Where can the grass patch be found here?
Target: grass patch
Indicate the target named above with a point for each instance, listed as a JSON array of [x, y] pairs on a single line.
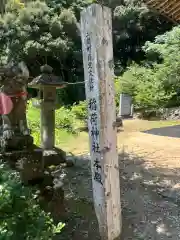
[[66, 125], [76, 144], [68, 138]]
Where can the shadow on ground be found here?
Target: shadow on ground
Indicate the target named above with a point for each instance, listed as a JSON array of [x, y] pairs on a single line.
[[150, 201], [171, 131]]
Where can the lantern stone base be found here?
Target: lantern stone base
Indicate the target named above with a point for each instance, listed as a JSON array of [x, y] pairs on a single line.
[[29, 165], [16, 143], [53, 157], [32, 162]]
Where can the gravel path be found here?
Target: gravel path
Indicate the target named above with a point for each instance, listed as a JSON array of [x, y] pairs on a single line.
[[150, 200], [150, 186]]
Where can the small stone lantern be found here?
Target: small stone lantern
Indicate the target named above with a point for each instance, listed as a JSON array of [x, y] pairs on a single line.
[[46, 84]]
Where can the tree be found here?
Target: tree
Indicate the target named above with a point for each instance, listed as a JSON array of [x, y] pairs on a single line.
[[133, 25], [40, 32], [156, 81], [166, 48]]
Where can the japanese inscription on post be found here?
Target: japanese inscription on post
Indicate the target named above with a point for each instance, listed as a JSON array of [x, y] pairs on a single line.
[[96, 35], [93, 109], [90, 67]]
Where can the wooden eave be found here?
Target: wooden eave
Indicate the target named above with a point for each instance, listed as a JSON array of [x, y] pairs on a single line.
[[168, 8]]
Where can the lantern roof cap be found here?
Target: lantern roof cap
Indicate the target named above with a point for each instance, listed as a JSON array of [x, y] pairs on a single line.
[[47, 78]]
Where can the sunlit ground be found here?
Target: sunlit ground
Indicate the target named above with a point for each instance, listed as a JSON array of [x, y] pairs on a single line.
[[79, 144]]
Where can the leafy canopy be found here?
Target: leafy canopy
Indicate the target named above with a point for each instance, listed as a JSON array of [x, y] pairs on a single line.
[[156, 82]]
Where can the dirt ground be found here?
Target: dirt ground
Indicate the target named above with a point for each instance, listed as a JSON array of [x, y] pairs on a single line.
[[150, 188]]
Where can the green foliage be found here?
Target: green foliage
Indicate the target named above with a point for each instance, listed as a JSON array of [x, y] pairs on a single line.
[[145, 87], [33, 117], [80, 110], [156, 82], [20, 214], [45, 32], [167, 48], [34, 31], [133, 25], [40, 32], [36, 136], [65, 119]]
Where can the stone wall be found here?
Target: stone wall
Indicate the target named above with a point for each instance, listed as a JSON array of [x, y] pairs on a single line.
[[161, 114], [170, 113]]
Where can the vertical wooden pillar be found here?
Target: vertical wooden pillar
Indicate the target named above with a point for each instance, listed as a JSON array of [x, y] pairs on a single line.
[[48, 118], [96, 33]]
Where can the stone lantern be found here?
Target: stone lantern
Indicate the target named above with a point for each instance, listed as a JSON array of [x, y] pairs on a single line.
[[46, 84]]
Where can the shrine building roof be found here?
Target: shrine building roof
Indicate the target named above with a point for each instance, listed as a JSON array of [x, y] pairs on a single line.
[[168, 8]]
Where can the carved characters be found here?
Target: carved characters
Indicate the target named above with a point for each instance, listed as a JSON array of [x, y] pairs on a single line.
[[93, 102]]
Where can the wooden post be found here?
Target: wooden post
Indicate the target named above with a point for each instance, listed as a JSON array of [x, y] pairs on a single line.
[[96, 33], [48, 118]]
